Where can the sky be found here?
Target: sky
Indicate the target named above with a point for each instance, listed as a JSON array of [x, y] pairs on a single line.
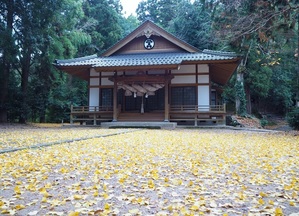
[[129, 6]]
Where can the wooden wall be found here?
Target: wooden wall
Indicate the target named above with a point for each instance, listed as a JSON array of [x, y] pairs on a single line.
[[187, 75], [137, 46]]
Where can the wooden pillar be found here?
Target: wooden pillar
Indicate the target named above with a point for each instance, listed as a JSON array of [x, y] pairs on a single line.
[[166, 112], [95, 116], [115, 99]]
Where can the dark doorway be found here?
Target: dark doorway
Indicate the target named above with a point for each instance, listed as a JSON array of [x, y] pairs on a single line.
[[150, 103]]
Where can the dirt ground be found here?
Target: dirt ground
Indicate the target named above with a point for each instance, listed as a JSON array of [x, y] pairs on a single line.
[[274, 122], [149, 172]]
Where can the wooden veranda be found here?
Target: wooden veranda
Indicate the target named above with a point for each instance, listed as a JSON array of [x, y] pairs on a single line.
[[175, 113]]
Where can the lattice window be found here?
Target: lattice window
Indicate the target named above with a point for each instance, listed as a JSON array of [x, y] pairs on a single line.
[[107, 96], [185, 95]]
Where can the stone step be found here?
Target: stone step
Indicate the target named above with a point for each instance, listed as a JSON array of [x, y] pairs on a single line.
[[153, 125]]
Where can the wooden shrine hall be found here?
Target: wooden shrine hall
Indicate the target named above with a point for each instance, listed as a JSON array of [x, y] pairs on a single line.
[[152, 76]]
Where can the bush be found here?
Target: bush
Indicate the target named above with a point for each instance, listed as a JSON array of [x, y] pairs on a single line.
[[293, 118], [264, 122]]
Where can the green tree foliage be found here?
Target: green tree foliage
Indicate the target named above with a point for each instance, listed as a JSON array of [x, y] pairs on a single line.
[[129, 24], [32, 35], [284, 81], [264, 31], [66, 91], [160, 12], [259, 73], [293, 118], [7, 53], [193, 23], [103, 27], [40, 33]]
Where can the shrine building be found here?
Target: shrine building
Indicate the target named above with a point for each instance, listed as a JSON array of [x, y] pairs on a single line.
[[152, 76]]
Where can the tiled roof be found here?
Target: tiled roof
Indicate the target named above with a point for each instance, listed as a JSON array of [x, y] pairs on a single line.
[[146, 59], [86, 60]]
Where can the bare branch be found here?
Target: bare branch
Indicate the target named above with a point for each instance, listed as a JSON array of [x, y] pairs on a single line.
[[255, 22]]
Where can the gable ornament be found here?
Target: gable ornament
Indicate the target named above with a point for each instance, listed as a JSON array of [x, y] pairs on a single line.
[[148, 32]]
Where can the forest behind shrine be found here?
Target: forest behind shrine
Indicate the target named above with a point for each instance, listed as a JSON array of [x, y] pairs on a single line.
[[33, 33]]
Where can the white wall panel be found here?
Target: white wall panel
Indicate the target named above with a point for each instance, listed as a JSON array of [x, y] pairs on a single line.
[[204, 96], [185, 69], [106, 81], [94, 96], [93, 72], [107, 73], [94, 82], [203, 79], [203, 68], [183, 80]]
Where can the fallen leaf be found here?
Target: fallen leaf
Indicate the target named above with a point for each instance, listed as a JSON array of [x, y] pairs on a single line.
[[74, 214], [77, 197]]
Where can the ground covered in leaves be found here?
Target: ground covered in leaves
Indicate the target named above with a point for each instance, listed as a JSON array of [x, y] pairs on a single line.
[[16, 136], [149, 172]]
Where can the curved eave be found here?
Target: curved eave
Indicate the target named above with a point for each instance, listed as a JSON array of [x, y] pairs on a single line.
[[220, 70], [221, 73], [220, 61], [81, 72]]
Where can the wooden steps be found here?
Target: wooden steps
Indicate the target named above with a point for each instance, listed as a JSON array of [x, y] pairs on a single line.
[[138, 117]]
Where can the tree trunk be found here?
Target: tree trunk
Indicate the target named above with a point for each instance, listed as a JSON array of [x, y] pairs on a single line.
[[42, 118], [297, 94], [248, 99], [240, 79], [24, 86], [4, 90], [6, 62]]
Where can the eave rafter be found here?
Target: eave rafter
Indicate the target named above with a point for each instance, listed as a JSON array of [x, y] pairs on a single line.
[[159, 79], [134, 68]]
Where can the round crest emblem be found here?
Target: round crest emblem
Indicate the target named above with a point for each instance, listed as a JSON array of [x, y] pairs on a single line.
[[149, 44]]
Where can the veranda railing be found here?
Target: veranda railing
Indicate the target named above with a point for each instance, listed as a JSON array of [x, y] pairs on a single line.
[[94, 113], [214, 113]]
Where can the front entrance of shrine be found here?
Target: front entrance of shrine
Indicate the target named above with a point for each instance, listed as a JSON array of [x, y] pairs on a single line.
[[143, 103]]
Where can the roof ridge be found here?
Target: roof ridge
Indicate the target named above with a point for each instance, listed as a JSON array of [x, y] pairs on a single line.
[[84, 58], [149, 53], [175, 36], [146, 58]]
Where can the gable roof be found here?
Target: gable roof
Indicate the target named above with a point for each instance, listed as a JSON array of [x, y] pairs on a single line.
[[127, 60], [147, 29], [222, 64]]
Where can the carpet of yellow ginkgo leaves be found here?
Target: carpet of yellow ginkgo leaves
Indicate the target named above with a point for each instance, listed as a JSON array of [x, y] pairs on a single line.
[[19, 137], [154, 172]]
